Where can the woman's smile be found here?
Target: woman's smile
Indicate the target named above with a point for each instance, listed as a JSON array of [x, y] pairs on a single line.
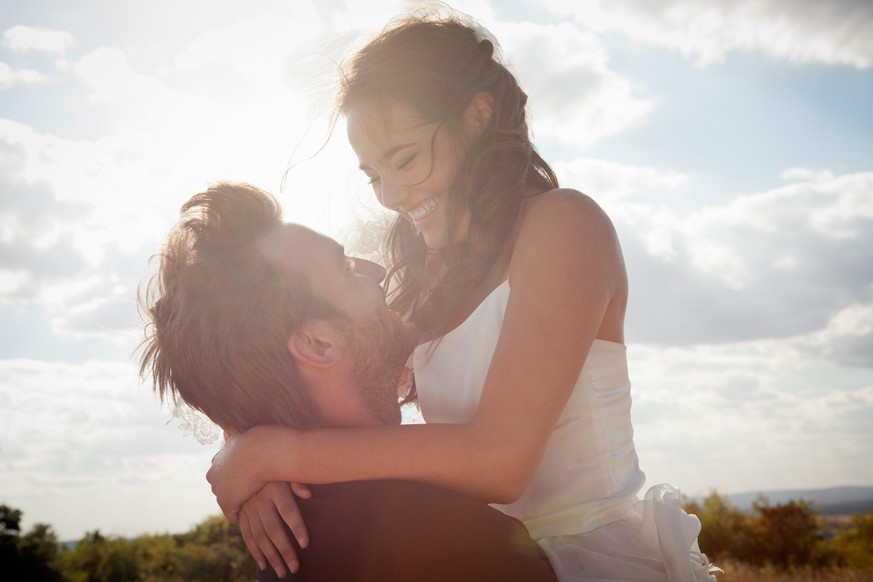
[[423, 210], [412, 164]]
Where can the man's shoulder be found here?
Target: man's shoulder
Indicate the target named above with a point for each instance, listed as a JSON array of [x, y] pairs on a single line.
[[437, 534], [409, 494], [411, 502]]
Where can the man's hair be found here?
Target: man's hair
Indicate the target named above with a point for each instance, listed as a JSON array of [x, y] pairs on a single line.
[[220, 311]]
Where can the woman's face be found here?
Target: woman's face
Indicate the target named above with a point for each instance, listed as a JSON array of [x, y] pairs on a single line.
[[411, 163]]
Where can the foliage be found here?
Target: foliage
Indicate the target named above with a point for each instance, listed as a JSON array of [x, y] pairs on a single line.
[[213, 550], [786, 537], [855, 544], [788, 533], [725, 530], [32, 556]]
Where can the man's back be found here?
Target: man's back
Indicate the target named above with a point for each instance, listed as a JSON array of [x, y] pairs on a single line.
[[398, 530]]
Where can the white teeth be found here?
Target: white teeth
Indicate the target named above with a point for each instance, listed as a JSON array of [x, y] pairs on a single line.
[[423, 209]]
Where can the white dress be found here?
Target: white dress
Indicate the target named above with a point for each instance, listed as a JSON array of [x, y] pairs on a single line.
[[581, 505]]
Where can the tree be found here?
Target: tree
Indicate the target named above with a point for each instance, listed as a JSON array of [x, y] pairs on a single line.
[[10, 521], [212, 551], [726, 532], [30, 557], [789, 532], [97, 558], [782, 535], [854, 546]]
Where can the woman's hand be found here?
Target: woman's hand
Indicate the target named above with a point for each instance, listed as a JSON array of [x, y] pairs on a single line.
[[242, 467], [262, 521]]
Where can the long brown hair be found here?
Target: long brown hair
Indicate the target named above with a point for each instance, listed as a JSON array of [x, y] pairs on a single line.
[[436, 66]]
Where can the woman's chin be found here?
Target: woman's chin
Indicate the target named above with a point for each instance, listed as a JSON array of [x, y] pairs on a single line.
[[434, 238]]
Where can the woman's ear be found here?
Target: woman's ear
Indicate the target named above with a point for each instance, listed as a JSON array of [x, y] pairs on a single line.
[[318, 344], [478, 113]]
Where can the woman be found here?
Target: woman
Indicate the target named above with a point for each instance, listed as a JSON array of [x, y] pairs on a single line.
[[520, 289]]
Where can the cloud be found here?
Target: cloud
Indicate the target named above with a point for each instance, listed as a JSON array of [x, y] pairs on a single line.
[[110, 79], [36, 232], [26, 38], [847, 338], [782, 410], [575, 98], [776, 264], [833, 33], [80, 217], [90, 435], [612, 181], [10, 77]]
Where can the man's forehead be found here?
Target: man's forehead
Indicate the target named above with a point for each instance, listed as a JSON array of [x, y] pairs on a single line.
[[296, 232], [296, 245]]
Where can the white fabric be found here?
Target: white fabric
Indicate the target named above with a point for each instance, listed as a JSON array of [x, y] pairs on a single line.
[[193, 422], [581, 505]]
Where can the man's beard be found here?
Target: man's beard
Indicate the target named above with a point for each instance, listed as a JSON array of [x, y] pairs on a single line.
[[382, 345]]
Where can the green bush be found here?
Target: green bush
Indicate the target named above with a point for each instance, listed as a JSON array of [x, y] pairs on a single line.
[[781, 536], [213, 550]]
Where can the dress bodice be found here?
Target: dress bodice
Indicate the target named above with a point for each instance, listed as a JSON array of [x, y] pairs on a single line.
[[589, 474]]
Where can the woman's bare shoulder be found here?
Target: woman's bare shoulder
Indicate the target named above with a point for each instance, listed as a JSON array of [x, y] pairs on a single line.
[[565, 232], [565, 208]]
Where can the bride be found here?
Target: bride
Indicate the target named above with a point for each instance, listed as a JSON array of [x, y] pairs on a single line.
[[519, 289]]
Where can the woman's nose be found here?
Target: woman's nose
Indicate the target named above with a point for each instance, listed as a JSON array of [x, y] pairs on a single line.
[[370, 269], [390, 195]]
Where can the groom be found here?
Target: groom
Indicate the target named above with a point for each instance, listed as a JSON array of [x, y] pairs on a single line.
[[255, 321]]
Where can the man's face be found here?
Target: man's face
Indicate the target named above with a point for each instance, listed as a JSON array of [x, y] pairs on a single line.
[[380, 343]]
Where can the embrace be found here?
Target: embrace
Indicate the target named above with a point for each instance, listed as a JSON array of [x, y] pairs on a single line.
[[506, 296]]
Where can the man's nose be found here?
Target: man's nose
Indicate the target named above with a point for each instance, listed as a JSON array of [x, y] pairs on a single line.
[[370, 269]]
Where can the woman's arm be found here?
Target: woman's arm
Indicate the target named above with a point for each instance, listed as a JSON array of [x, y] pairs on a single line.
[[568, 286]]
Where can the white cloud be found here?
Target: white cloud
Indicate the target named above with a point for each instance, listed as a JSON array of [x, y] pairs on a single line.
[[846, 339], [107, 74], [80, 217], [256, 49], [612, 181], [780, 263], [85, 447], [10, 77], [574, 97], [777, 405], [26, 38], [740, 241], [113, 317], [834, 32]]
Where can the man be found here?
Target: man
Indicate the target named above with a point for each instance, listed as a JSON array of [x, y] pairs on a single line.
[[254, 321]]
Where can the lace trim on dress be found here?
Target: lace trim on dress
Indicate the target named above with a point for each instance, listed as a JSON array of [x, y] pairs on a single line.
[[194, 422]]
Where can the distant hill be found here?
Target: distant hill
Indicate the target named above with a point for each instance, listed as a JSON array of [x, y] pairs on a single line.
[[831, 501]]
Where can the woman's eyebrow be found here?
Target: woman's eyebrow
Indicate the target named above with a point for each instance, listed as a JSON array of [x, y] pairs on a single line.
[[390, 153], [396, 149]]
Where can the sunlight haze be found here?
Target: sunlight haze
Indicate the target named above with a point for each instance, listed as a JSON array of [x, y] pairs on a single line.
[[730, 143]]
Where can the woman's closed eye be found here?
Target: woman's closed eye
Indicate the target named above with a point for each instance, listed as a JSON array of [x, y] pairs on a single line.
[[406, 162]]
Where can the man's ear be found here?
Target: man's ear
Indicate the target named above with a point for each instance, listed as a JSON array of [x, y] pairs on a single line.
[[318, 344], [478, 113]]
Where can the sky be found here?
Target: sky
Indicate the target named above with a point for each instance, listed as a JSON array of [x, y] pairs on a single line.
[[730, 143]]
